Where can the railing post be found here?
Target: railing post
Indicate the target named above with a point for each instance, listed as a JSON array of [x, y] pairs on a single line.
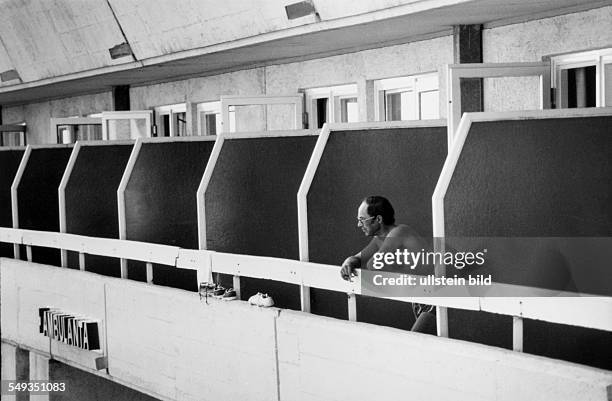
[[517, 333], [29, 252], [442, 321], [305, 298], [352, 307], [149, 273], [81, 261], [236, 284], [124, 268], [64, 257]]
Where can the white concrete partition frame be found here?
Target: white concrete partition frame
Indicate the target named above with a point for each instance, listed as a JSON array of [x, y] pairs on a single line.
[[313, 164], [455, 72], [121, 198], [15, 185], [212, 163], [201, 192], [449, 168], [317, 154], [302, 193], [14, 199], [302, 207], [61, 194], [64, 183]]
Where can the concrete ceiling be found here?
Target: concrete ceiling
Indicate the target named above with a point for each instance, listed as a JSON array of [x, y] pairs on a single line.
[[64, 55]]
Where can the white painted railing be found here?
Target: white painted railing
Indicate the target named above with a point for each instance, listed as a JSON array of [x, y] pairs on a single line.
[[589, 312]]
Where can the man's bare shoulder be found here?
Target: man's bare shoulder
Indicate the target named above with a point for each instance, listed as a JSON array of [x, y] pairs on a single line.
[[408, 236], [403, 230]]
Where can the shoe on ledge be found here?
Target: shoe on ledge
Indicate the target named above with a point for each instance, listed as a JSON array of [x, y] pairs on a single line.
[[229, 295]]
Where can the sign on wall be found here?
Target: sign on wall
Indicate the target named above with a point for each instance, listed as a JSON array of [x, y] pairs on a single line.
[[69, 329]]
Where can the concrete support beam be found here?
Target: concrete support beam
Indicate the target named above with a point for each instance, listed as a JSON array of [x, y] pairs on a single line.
[[39, 370], [467, 48], [366, 100], [15, 366], [192, 119], [121, 98]]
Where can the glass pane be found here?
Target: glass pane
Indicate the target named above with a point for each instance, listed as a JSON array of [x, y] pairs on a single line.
[[410, 110], [127, 129], [430, 105], [180, 124], [11, 138], [164, 127], [393, 104], [401, 106], [250, 118], [281, 117], [608, 84], [70, 133], [89, 132], [581, 87], [321, 112], [64, 134], [210, 124], [349, 111]]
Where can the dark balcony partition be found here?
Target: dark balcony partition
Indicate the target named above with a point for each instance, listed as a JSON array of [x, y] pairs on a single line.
[[251, 205], [160, 203], [536, 178], [91, 200], [402, 164], [9, 163], [38, 202]]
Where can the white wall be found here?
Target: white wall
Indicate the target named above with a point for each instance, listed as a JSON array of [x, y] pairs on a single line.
[[37, 115], [359, 67], [533, 40], [178, 347]]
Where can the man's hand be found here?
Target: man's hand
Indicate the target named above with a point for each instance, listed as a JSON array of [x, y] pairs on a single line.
[[351, 263]]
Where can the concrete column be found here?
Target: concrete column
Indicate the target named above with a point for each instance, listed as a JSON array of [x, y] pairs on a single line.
[[121, 98], [467, 48], [39, 370], [191, 116], [366, 99], [15, 366]]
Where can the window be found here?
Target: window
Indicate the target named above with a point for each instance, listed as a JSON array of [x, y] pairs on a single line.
[[13, 135], [336, 104], [72, 129], [407, 98], [209, 118], [171, 120], [119, 125], [583, 79]]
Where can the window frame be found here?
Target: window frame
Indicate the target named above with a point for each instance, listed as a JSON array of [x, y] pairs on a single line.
[[172, 111], [56, 122], [229, 104], [21, 128], [598, 58], [214, 108], [412, 84], [146, 115], [334, 95]]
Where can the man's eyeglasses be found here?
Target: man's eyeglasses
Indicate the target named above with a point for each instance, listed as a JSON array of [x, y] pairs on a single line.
[[361, 220]]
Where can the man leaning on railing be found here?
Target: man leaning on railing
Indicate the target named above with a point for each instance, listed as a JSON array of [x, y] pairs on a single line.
[[376, 218]]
